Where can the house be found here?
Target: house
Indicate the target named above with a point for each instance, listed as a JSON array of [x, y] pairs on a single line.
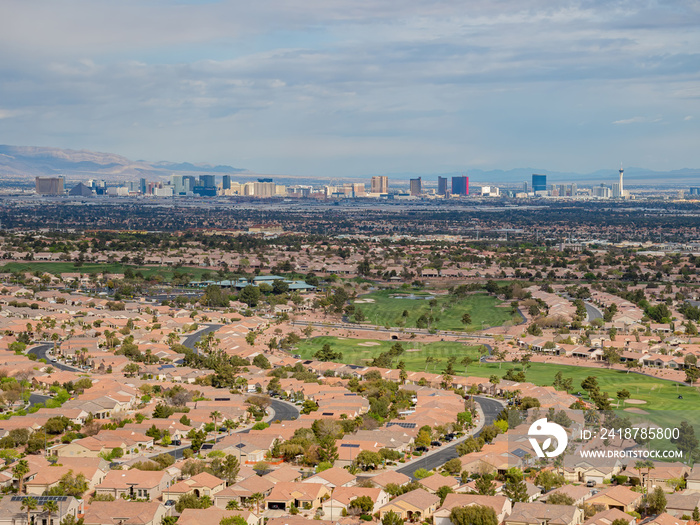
[[500, 505], [243, 490], [541, 514], [284, 495], [11, 512], [49, 476], [390, 477], [581, 470], [606, 517], [201, 485], [214, 515], [333, 478], [617, 497], [682, 504], [578, 493], [664, 475], [342, 497], [417, 505], [122, 512], [436, 481], [693, 479], [134, 484], [665, 519]]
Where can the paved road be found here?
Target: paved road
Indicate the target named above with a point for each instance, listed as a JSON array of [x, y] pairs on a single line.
[[491, 409], [40, 352], [593, 312], [37, 398], [191, 339], [282, 411]]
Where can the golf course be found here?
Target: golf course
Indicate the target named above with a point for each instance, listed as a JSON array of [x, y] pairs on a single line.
[[397, 308]]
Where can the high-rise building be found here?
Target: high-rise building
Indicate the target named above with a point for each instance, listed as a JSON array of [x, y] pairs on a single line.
[[208, 181], [460, 185], [442, 186], [226, 182], [695, 191], [602, 191], [380, 184], [622, 188], [142, 186], [539, 182], [264, 190], [416, 187], [49, 185], [616, 194], [188, 183]]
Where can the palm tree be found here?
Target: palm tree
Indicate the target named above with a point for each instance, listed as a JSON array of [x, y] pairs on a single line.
[[29, 503], [256, 498], [647, 464], [50, 507], [20, 471], [215, 415]]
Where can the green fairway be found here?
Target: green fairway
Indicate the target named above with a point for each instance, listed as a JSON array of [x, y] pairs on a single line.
[[166, 272], [383, 308], [360, 351]]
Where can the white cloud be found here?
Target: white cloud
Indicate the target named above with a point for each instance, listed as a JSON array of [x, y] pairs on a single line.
[[637, 120]]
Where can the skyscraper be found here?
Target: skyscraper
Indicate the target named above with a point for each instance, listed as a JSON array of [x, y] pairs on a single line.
[[380, 184], [416, 187], [226, 182], [49, 185], [460, 185], [442, 185], [539, 182]]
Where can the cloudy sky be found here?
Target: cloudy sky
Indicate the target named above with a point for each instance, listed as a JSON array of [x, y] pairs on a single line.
[[356, 87]]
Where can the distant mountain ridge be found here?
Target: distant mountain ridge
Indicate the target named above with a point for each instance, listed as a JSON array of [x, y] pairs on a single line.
[[34, 161], [27, 162]]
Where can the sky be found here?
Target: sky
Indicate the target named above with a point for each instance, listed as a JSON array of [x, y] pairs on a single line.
[[344, 88]]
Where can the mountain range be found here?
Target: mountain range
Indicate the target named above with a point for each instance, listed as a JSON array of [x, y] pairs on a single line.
[[32, 161], [27, 162]]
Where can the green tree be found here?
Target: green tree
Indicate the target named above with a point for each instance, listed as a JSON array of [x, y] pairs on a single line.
[[473, 515], [559, 498], [191, 501], [51, 508], [515, 487], [361, 505], [368, 459], [233, 520], [393, 518], [686, 441], [230, 469], [250, 295], [656, 501], [20, 470], [29, 504], [485, 486], [442, 492]]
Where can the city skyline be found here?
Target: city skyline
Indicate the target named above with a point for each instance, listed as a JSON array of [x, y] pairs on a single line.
[[338, 90]]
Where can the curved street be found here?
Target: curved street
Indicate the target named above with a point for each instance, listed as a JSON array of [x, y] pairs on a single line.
[[490, 407]]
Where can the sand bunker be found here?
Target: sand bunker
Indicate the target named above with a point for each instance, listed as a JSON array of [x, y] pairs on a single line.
[[368, 344], [364, 301], [414, 350], [636, 410], [636, 402]]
